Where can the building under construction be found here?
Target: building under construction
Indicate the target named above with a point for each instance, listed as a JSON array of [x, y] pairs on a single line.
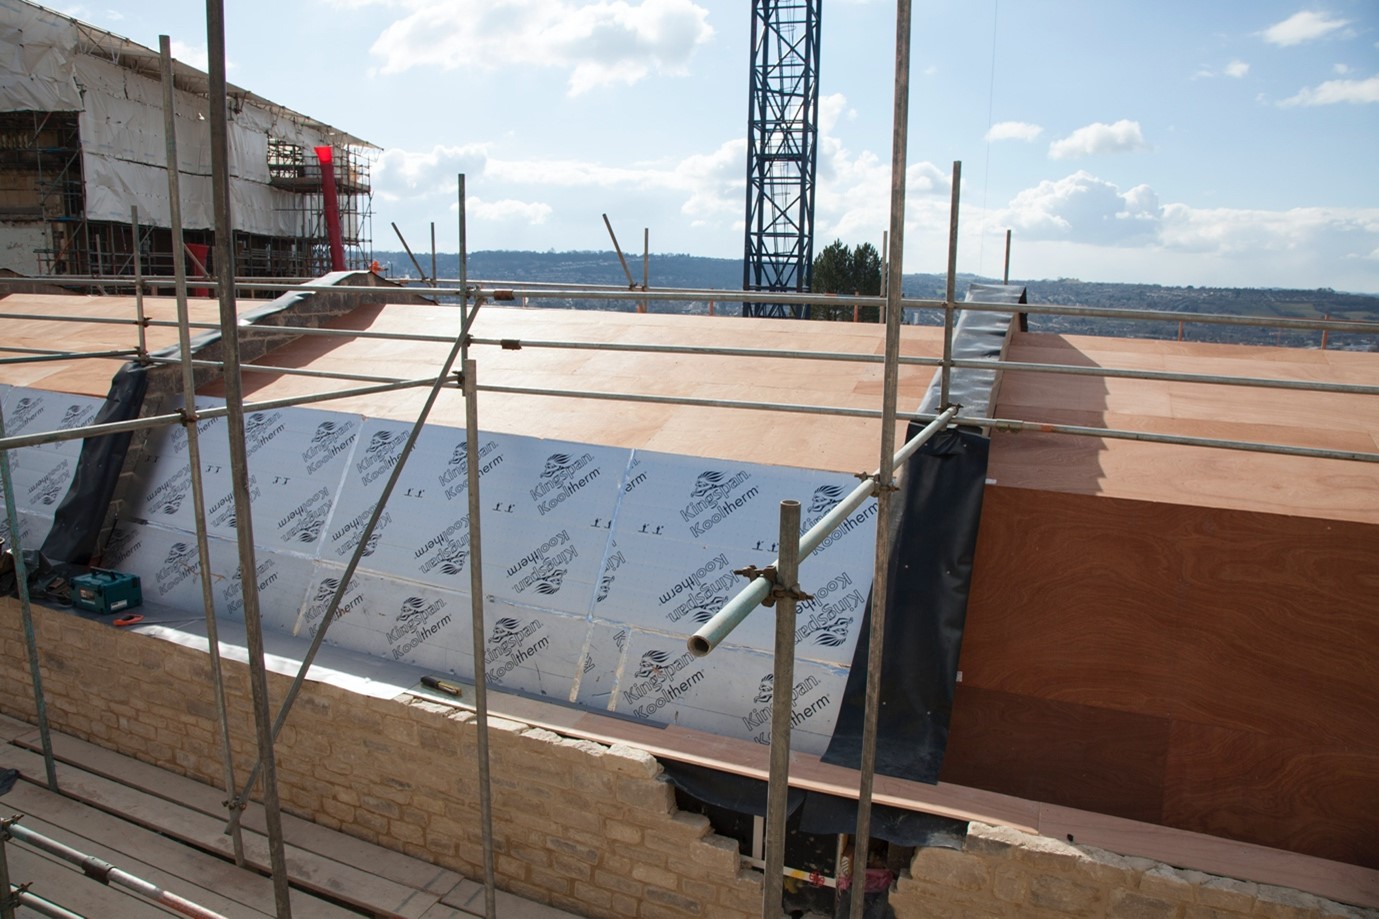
[[83, 163], [406, 602]]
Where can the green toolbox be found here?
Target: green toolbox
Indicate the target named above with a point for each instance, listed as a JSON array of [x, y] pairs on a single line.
[[103, 591]]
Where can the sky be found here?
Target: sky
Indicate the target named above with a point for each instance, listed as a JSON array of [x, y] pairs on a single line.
[[1181, 142]]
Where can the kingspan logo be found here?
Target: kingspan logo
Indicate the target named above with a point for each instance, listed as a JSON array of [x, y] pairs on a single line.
[[714, 498], [305, 522], [266, 575], [53, 485], [341, 535], [447, 549], [511, 643], [76, 416], [454, 480], [824, 499], [120, 545], [179, 564], [563, 476], [168, 496], [260, 428], [22, 415], [380, 455], [829, 616], [760, 717], [330, 440], [701, 592], [546, 566], [452, 559], [416, 621], [660, 680], [222, 512], [325, 592]]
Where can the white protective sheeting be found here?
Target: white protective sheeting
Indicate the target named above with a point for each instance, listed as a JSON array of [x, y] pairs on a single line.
[[598, 562], [41, 474], [36, 72], [19, 245], [124, 155], [124, 159]]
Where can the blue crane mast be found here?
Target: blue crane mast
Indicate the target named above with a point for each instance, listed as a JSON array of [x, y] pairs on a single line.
[[782, 152]]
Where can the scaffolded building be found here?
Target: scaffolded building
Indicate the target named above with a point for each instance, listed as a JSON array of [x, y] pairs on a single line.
[[83, 168]]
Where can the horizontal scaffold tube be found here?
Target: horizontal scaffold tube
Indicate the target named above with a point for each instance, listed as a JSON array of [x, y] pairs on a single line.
[[711, 633], [106, 873]]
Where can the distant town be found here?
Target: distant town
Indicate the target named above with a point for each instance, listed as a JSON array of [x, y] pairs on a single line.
[[688, 271]]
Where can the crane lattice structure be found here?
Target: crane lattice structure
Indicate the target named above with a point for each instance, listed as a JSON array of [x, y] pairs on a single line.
[[782, 152]]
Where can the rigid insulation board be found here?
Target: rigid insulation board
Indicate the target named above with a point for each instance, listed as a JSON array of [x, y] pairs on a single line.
[[42, 473], [597, 562]]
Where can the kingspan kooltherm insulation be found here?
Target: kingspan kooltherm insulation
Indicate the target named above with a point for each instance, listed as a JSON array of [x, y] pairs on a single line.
[[40, 474], [598, 562]]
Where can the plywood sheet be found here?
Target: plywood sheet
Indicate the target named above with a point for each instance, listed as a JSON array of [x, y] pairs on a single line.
[[1204, 619], [1082, 756], [763, 436], [1260, 788], [90, 376], [1194, 476]]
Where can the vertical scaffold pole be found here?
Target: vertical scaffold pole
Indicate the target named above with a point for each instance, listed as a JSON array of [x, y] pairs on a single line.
[[782, 706], [179, 278], [21, 576], [476, 579], [138, 282], [239, 465], [950, 288], [895, 274]]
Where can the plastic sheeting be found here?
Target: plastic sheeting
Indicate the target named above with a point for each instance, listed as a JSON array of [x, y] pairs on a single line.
[[43, 473], [121, 123], [931, 570], [78, 518], [36, 72]]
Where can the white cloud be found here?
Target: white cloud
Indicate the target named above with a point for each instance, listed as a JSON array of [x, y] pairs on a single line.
[[1084, 226], [1333, 92], [1237, 69], [1013, 130], [505, 210], [601, 43], [191, 55], [1124, 136], [1301, 27], [1084, 208], [399, 174]]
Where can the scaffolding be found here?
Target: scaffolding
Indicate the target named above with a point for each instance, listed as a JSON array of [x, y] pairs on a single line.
[[294, 170], [56, 176]]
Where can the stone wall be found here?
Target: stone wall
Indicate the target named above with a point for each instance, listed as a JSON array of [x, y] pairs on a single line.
[[586, 827], [1005, 873]]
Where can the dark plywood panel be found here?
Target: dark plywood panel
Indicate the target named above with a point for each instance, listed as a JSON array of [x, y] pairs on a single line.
[[1188, 613], [1225, 624], [1280, 792], [1095, 759]]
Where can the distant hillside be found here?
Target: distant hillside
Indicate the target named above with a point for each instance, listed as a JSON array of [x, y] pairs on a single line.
[[689, 271]]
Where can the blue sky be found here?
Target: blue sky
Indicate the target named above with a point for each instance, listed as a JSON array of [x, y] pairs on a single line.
[[1212, 142]]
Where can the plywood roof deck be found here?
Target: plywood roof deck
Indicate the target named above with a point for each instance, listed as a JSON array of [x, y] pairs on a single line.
[[1195, 476], [1327, 489], [781, 438], [89, 376]]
